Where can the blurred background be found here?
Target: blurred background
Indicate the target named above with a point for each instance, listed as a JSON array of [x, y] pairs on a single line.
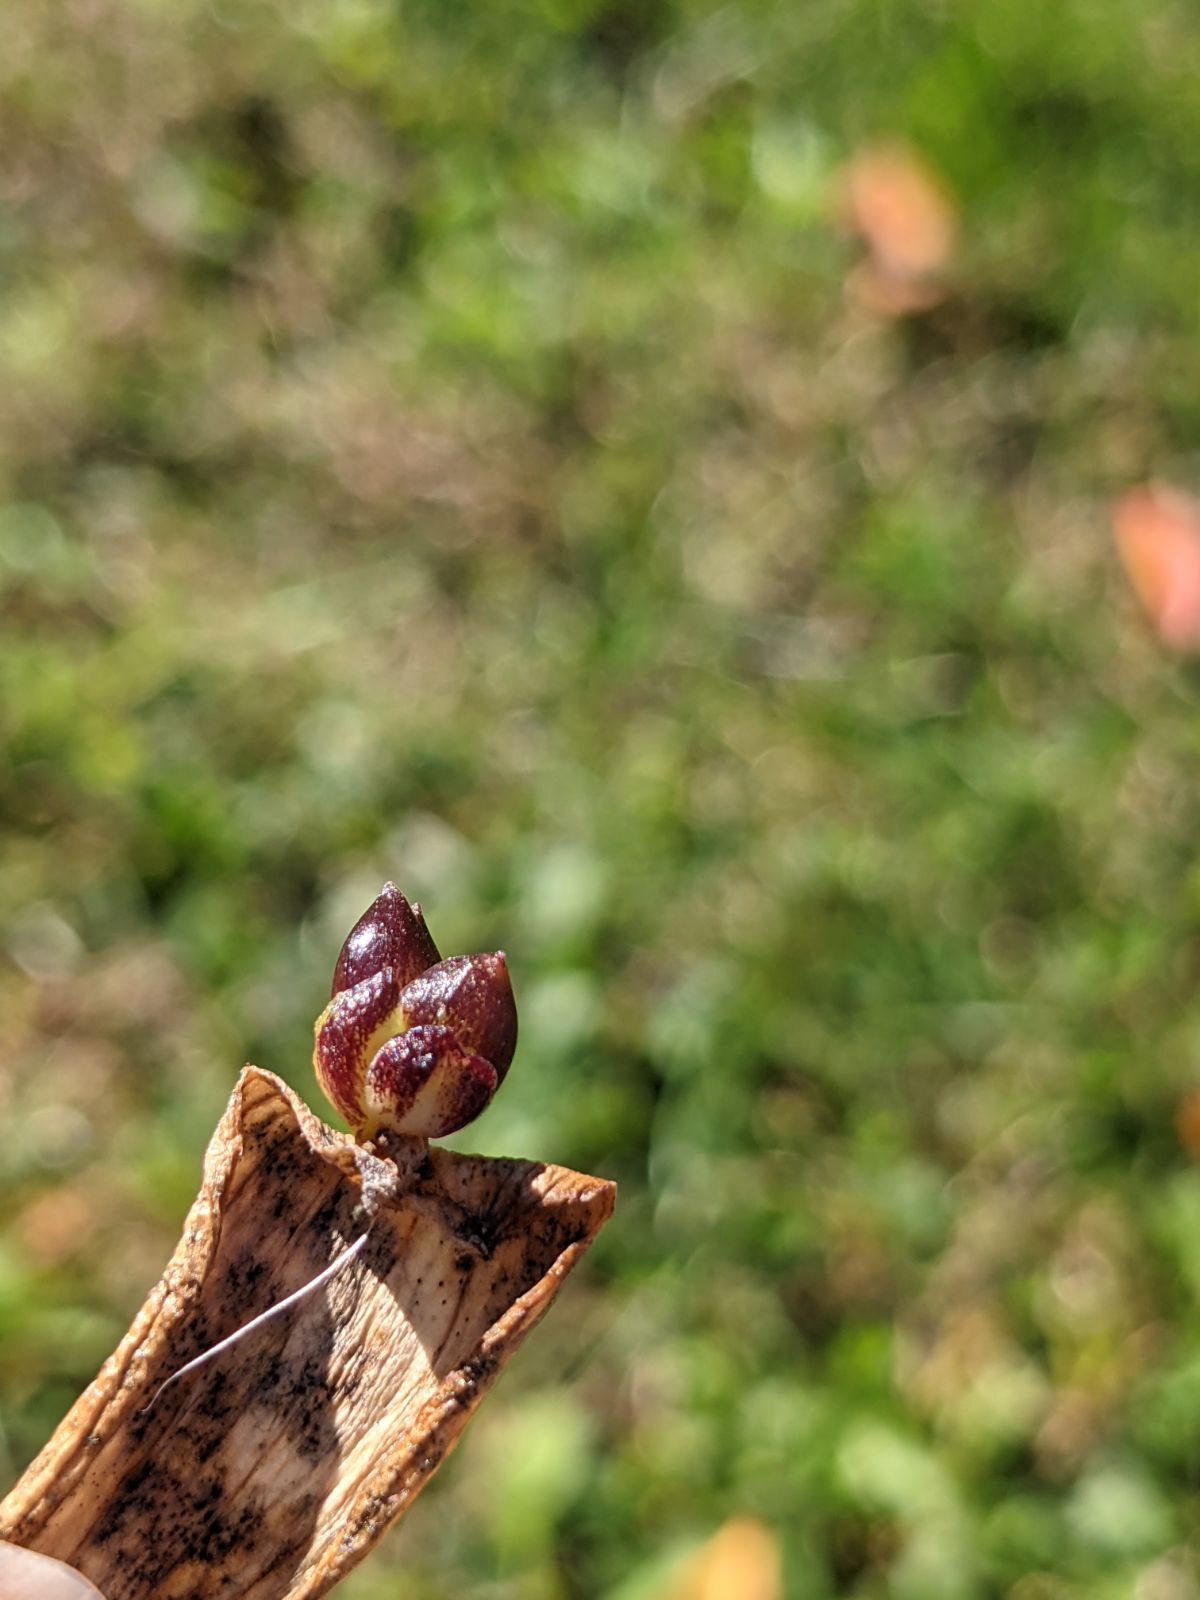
[[641, 475]]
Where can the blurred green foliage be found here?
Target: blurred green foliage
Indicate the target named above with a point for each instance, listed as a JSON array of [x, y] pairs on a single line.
[[438, 442]]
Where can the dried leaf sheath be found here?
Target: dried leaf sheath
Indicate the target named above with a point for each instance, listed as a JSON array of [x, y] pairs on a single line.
[[275, 1469]]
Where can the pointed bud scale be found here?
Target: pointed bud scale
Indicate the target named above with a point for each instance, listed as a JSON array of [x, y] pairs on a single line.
[[425, 1082], [348, 1032], [390, 933], [472, 995]]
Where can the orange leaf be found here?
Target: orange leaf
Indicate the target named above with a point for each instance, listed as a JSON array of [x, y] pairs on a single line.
[[740, 1562], [902, 211], [1158, 538]]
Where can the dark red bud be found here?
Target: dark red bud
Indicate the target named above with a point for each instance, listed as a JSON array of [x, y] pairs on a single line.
[[425, 1082], [348, 1032], [390, 933], [472, 995]]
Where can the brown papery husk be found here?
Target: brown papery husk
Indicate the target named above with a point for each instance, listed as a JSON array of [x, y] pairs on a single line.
[[274, 1469]]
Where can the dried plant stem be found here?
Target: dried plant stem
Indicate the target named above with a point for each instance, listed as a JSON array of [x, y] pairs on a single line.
[[277, 1467]]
